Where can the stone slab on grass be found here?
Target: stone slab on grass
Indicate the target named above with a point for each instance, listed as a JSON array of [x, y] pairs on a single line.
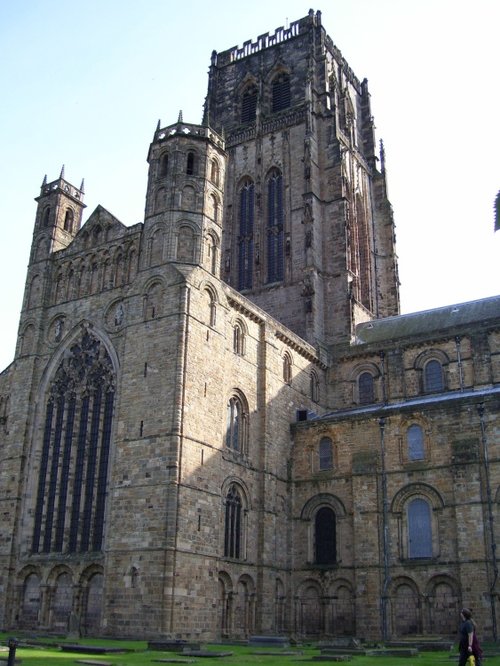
[[206, 653], [93, 662]]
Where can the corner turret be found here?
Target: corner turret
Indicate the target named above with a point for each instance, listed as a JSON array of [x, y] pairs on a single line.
[[58, 216]]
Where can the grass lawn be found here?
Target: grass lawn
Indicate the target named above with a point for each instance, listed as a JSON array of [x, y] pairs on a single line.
[[139, 655]]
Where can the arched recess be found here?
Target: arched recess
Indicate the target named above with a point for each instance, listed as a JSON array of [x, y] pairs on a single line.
[[29, 580], [153, 299], [244, 607], [156, 246], [71, 445], [442, 596], [186, 242], [27, 339], [279, 606], [60, 582], [225, 606], [92, 586], [340, 609], [405, 607], [34, 292], [309, 611]]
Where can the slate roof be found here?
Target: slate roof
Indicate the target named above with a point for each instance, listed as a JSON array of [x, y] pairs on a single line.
[[428, 321]]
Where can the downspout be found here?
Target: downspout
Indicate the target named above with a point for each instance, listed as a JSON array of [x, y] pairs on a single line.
[[459, 363], [484, 442], [178, 430], [385, 534]]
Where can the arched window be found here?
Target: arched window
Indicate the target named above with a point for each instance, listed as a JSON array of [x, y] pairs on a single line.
[[212, 253], [366, 388], [163, 165], [215, 207], [249, 105], [325, 542], [237, 425], [281, 92], [415, 442], [433, 377], [314, 386], [215, 172], [46, 216], [287, 368], [213, 311], [238, 339], [275, 231], [74, 452], [419, 529], [325, 453], [191, 166], [233, 524], [68, 220], [245, 236]]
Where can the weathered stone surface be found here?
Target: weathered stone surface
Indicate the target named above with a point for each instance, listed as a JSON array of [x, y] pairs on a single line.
[[189, 456]]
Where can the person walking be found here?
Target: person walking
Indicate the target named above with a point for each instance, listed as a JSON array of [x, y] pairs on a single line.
[[469, 644]]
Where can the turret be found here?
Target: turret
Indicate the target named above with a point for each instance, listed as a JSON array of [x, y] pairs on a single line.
[[184, 199], [58, 216]]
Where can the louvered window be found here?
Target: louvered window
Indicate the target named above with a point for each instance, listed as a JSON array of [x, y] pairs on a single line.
[[249, 105], [281, 93]]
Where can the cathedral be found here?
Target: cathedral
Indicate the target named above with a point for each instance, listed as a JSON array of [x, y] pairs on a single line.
[[217, 423]]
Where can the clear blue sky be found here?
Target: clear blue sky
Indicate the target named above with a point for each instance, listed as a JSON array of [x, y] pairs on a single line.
[[84, 84]]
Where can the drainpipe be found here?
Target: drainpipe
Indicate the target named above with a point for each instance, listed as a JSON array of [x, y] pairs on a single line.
[[385, 534], [484, 442], [459, 363]]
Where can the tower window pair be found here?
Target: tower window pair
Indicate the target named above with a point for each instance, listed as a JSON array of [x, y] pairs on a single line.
[[274, 231]]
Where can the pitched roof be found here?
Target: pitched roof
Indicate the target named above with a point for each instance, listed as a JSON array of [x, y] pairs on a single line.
[[428, 321]]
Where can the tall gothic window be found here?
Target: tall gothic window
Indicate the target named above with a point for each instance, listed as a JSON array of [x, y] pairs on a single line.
[[419, 529], [233, 524], [324, 536], [73, 472], [275, 221], [245, 237]]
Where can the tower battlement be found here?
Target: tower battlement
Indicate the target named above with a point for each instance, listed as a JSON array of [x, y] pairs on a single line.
[[61, 185]]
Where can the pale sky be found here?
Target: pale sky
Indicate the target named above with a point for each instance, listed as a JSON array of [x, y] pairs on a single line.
[[84, 83]]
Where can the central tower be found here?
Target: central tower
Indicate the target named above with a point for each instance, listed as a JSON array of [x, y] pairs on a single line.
[[308, 229]]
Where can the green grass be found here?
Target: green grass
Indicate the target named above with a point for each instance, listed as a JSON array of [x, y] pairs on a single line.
[[139, 655]]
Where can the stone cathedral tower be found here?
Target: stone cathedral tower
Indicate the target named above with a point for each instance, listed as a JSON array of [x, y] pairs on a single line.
[[309, 234], [216, 423]]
